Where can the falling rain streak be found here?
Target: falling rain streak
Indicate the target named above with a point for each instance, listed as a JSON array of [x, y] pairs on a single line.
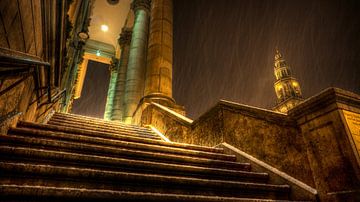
[[224, 49]]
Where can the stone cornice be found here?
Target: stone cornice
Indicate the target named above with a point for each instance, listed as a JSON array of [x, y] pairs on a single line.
[[183, 119], [287, 100], [259, 113], [171, 114], [141, 4], [107, 50], [324, 99]]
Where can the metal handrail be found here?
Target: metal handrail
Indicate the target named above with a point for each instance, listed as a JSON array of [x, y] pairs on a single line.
[[21, 58], [55, 98], [12, 57], [59, 94]]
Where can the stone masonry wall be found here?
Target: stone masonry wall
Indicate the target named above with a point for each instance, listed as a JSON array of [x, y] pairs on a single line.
[[332, 159], [278, 144], [311, 143]]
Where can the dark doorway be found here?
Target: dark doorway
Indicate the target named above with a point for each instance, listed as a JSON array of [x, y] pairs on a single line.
[[93, 96]]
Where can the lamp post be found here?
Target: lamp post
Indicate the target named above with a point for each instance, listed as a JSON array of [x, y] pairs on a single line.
[[83, 36]]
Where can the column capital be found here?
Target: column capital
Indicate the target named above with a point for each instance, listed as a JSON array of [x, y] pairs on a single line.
[[125, 36], [141, 4], [113, 64]]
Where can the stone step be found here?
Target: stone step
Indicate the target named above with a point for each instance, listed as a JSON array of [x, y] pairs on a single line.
[[32, 193], [96, 127], [101, 122], [120, 164], [27, 127], [90, 127], [115, 180], [97, 121], [69, 128], [168, 149], [84, 148]]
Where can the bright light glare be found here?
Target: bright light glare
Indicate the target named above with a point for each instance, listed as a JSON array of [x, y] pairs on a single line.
[[104, 28]]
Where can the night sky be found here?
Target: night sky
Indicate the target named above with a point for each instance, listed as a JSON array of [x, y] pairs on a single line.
[[224, 49], [93, 96]]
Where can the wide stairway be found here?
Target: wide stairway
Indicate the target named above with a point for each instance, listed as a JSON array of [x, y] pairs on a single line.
[[77, 158]]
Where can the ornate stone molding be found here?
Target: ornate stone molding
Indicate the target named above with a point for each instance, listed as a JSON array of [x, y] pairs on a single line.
[[141, 4], [81, 55], [125, 36], [113, 64]]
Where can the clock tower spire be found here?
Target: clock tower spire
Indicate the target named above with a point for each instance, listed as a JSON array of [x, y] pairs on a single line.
[[287, 88]]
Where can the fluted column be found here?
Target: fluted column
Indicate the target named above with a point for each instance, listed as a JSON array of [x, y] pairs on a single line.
[[124, 42], [158, 82], [137, 58], [111, 90]]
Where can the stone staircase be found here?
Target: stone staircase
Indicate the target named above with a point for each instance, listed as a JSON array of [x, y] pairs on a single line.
[[78, 158]]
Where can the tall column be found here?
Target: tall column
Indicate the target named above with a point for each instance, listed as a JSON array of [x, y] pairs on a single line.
[[137, 58], [124, 42], [158, 82], [111, 90]]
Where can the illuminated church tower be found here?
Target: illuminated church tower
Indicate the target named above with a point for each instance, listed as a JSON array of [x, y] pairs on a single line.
[[287, 88]]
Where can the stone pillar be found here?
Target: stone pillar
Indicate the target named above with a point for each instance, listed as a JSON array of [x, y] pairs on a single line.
[[158, 82], [137, 58], [124, 42], [111, 90]]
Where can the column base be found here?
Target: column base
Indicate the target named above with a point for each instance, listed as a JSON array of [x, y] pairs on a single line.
[[127, 120], [160, 98]]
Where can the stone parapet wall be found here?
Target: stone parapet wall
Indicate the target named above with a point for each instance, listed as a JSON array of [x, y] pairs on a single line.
[[311, 143], [277, 142], [334, 162], [246, 128]]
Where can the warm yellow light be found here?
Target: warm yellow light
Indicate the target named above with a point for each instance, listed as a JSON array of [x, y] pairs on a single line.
[[295, 84], [104, 28]]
